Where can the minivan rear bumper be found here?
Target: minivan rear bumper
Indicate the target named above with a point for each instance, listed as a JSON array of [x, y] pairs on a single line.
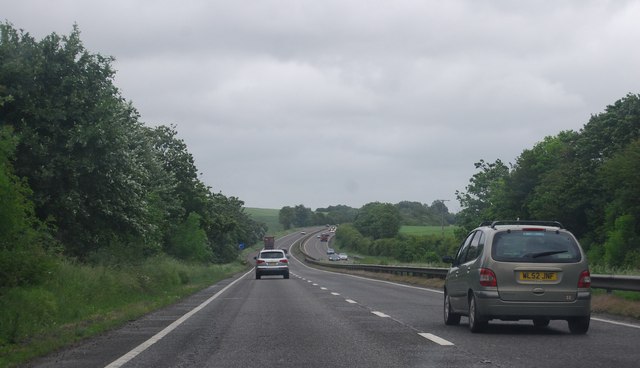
[[490, 306]]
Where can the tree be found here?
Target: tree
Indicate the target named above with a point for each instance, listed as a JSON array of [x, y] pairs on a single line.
[[23, 238], [302, 216], [80, 145], [286, 217], [378, 220], [189, 241], [485, 188]]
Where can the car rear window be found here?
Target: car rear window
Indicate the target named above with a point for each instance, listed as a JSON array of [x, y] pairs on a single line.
[[271, 255], [535, 246]]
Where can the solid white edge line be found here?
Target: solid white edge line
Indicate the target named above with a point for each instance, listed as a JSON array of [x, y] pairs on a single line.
[[155, 338], [436, 339], [615, 322]]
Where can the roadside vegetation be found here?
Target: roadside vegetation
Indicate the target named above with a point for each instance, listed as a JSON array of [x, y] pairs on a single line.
[[102, 218], [78, 300]]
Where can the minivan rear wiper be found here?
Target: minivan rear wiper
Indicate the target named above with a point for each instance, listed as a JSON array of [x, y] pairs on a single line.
[[547, 253]]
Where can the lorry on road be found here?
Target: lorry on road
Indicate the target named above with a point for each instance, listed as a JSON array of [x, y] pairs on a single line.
[[324, 237], [269, 242]]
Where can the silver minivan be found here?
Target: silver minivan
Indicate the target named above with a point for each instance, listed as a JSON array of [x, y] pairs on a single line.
[[515, 270]]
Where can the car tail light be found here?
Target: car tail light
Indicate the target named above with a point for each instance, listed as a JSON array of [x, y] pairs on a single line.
[[284, 260], [260, 261], [585, 280], [488, 277]]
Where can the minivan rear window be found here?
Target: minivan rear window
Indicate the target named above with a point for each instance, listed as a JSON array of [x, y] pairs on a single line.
[[535, 246]]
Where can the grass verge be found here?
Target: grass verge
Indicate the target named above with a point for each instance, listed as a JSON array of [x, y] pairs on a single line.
[[79, 301]]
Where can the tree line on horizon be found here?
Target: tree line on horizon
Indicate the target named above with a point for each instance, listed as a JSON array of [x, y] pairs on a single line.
[[82, 177], [410, 213]]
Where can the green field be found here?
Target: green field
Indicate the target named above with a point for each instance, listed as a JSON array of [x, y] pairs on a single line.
[[268, 216], [427, 230]]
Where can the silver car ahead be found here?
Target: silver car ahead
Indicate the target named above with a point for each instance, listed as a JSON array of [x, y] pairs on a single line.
[[272, 262], [513, 270]]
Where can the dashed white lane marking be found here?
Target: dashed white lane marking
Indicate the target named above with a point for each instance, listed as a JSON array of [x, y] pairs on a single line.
[[436, 339], [380, 314], [431, 337]]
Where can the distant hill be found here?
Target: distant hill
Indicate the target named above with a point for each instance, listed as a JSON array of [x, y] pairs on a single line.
[[268, 216]]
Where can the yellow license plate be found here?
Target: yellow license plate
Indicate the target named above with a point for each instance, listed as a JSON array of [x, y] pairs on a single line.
[[538, 276]]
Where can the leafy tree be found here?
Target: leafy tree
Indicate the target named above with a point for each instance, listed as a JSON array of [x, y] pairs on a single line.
[[484, 190], [79, 141], [189, 241], [339, 214], [378, 220], [23, 238], [621, 245], [302, 216], [286, 217]]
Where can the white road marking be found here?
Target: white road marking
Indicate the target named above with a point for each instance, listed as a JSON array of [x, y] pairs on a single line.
[[436, 339], [334, 293], [380, 314], [155, 338], [351, 301], [323, 288], [615, 322]]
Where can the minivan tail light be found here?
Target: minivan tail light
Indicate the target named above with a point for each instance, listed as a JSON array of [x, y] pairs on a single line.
[[585, 280], [488, 277], [284, 260], [260, 261]]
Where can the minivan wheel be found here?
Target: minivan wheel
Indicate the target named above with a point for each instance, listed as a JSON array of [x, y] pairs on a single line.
[[475, 324], [257, 276], [286, 275], [450, 318], [579, 325]]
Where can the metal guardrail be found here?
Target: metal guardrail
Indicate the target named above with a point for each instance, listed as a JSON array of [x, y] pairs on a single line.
[[607, 282], [615, 282]]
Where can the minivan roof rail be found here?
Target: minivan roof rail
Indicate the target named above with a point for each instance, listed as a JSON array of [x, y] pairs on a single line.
[[493, 224]]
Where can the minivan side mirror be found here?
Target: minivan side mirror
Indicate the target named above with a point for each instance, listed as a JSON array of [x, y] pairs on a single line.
[[448, 259]]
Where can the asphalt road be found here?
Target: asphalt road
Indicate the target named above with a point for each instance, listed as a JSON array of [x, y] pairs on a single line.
[[323, 319]]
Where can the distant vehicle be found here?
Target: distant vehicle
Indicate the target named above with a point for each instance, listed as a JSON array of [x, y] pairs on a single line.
[[269, 242], [303, 232], [331, 251], [324, 237], [334, 257], [343, 256], [272, 262], [318, 236], [513, 270]]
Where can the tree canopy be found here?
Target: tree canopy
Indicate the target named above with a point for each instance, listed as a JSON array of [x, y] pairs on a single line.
[[78, 158], [588, 180]]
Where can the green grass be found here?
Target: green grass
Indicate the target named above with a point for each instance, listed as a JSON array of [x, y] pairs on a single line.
[[266, 215], [427, 230], [78, 301]]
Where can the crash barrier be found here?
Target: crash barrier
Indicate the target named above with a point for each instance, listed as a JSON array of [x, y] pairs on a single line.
[[607, 282]]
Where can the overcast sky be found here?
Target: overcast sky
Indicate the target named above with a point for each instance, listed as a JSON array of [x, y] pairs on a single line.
[[321, 102]]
